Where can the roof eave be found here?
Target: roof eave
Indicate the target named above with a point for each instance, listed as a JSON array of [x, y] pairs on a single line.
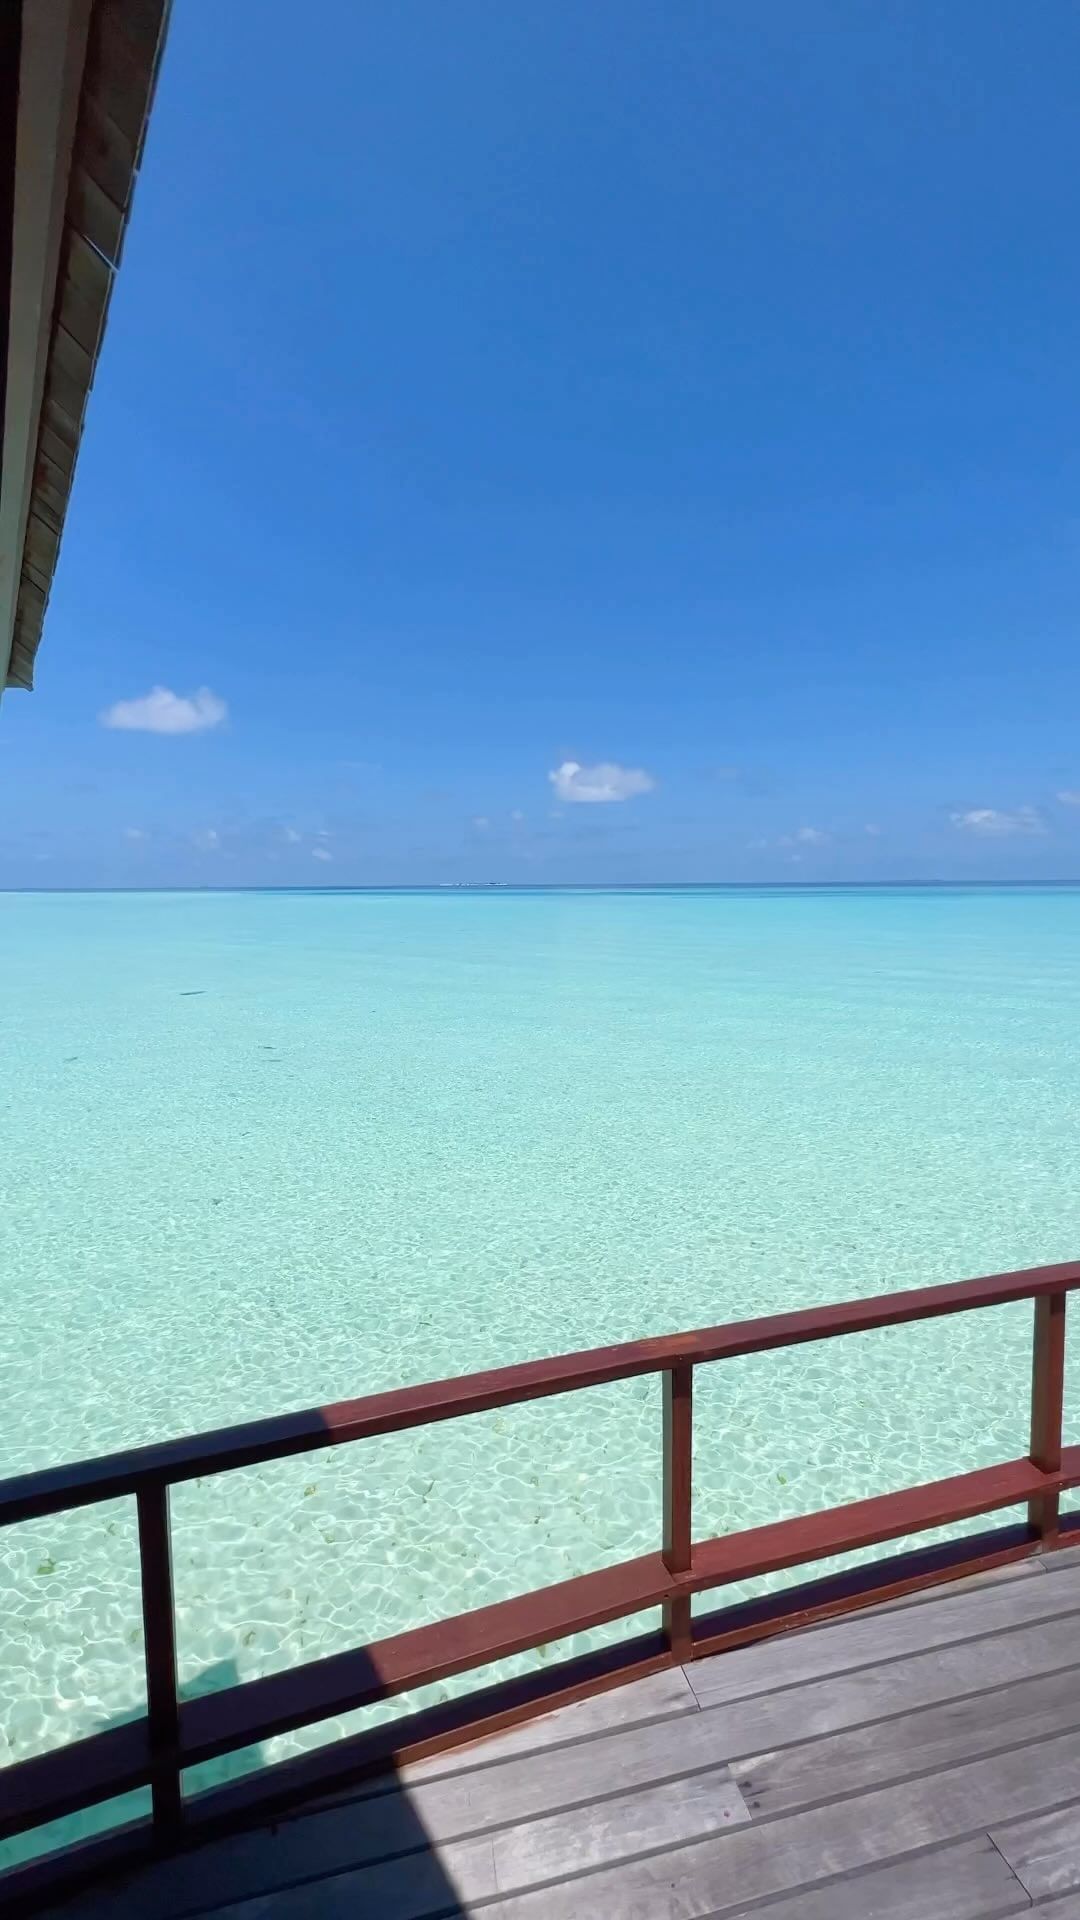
[[87, 70]]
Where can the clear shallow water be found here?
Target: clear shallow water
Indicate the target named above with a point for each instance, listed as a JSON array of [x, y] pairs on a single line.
[[267, 1150]]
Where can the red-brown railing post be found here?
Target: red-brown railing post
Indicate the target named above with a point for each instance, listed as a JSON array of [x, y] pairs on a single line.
[[159, 1637], [678, 1497], [1047, 1391]]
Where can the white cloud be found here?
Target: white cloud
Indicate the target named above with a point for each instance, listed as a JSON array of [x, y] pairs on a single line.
[[481, 823], [990, 821], [517, 816], [208, 840], [604, 782], [321, 853], [136, 833], [162, 711], [1070, 797], [872, 830], [805, 837], [291, 837]]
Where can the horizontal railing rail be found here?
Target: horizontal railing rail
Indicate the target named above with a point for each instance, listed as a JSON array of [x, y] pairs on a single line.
[[83, 1483], [177, 1734]]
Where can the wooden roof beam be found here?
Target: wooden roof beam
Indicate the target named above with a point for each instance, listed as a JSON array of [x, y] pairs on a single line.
[[52, 58]]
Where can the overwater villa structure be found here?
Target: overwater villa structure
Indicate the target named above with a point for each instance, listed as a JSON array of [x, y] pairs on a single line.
[[76, 83], [900, 1738]]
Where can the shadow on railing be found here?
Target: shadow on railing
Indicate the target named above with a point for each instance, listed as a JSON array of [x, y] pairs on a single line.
[[175, 1735]]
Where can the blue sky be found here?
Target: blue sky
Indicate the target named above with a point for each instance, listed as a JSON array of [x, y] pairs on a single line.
[[685, 395]]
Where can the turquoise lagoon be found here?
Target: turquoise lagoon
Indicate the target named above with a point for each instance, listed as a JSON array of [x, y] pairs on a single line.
[[265, 1150]]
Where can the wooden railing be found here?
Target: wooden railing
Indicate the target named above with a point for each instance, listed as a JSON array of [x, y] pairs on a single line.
[[177, 1734]]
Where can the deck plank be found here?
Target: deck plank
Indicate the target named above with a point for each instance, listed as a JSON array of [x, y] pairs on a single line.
[[422, 1887], [966, 1882], [365, 1830], [660, 1697], [518, 1796], [566, 1845], [437, 1812], [722, 1876], [1043, 1853], [923, 1742], [874, 1637], [873, 1694], [561, 1847]]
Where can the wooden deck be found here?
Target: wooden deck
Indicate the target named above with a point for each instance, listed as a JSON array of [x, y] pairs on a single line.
[[918, 1761]]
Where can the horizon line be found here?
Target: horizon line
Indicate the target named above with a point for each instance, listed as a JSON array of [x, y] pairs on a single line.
[[560, 886]]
